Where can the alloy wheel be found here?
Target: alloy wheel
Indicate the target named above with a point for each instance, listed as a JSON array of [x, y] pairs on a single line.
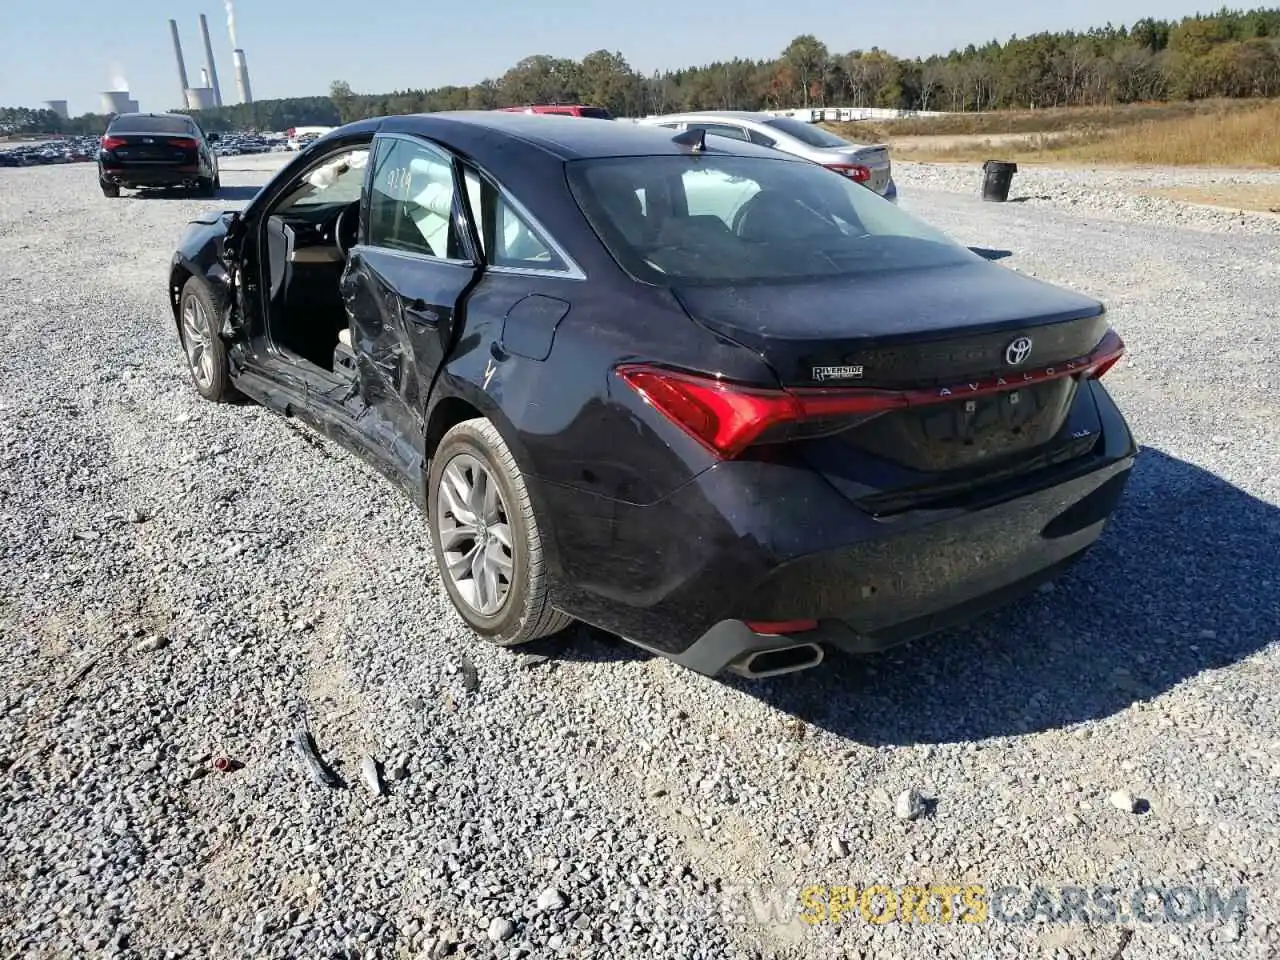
[[475, 534], [197, 336]]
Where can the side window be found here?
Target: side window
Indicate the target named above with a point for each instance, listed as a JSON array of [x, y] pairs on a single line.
[[507, 237], [721, 130], [411, 200], [338, 180], [713, 193], [759, 138]]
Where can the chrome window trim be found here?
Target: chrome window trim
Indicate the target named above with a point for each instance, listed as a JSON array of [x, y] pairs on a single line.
[[412, 255], [571, 270]]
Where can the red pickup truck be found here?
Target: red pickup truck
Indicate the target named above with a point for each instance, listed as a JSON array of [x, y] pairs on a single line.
[[564, 109]]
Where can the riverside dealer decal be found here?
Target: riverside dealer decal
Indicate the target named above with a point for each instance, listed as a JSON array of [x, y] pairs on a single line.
[[849, 372]]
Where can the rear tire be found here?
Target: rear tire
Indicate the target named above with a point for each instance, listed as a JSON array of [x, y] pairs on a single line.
[[206, 188], [487, 544], [199, 317], [109, 189]]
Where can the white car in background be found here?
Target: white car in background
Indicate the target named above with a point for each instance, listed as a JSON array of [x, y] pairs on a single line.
[[298, 138], [867, 164]]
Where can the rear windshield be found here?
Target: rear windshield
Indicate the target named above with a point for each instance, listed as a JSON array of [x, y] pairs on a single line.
[[596, 113], [146, 124], [714, 218], [808, 133]]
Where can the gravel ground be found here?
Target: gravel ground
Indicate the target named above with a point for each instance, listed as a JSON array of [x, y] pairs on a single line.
[[184, 582], [1110, 193]]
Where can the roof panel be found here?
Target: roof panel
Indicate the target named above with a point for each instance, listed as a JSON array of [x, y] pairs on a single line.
[[569, 138]]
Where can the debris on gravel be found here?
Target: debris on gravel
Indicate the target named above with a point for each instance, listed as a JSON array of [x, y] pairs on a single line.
[[370, 775], [1124, 800], [909, 805], [304, 747], [501, 929], [551, 899], [678, 816]]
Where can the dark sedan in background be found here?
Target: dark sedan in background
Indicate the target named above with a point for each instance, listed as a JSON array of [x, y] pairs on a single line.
[[157, 150], [712, 398]]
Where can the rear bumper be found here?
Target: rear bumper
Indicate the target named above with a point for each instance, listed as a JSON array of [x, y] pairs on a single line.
[[730, 642], [152, 176], [752, 541]]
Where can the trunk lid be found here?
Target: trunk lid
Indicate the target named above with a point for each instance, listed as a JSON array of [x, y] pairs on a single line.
[[151, 148], [951, 329], [874, 158], [903, 328]]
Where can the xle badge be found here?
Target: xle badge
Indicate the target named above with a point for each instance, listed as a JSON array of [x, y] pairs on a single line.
[[822, 374]]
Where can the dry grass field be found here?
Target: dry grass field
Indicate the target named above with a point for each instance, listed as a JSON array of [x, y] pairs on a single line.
[[1264, 198], [1239, 134]]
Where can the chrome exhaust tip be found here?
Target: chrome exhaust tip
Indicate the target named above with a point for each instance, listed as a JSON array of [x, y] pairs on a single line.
[[775, 663]]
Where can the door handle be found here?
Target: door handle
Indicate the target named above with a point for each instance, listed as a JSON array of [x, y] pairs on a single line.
[[422, 312]]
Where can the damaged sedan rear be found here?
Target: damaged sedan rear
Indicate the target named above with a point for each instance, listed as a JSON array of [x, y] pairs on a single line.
[[697, 393]]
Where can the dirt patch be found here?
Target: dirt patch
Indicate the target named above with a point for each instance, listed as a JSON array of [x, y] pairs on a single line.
[[1261, 197]]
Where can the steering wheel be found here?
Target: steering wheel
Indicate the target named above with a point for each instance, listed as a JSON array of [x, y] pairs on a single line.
[[346, 230]]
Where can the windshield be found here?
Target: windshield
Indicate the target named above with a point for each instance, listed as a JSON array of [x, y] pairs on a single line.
[[596, 113], [808, 133], [145, 124], [723, 218]]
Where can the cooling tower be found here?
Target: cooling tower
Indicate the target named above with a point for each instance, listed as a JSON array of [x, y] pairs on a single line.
[[209, 64], [200, 98], [57, 106], [117, 101]]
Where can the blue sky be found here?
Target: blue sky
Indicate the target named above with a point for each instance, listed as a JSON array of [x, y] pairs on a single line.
[[73, 49]]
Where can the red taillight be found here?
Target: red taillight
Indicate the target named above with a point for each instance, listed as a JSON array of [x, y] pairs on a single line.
[[854, 171], [780, 627], [1106, 355], [186, 143], [110, 143], [727, 418]]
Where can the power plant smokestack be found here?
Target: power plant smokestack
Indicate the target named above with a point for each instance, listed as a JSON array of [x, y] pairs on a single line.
[[242, 76], [209, 64], [177, 52], [204, 76]]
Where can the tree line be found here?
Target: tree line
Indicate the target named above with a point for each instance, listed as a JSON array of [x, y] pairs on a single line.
[[1228, 54]]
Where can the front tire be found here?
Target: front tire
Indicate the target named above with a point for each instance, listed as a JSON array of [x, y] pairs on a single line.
[[198, 321], [486, 539]]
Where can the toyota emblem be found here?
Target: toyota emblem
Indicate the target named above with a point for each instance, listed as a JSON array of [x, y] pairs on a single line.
[[1018, 351]]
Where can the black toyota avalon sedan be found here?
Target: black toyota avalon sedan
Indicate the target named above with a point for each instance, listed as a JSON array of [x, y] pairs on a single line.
[[157, 150], [719, 401]]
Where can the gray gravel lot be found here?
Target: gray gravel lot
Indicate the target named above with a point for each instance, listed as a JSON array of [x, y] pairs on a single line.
[[183, 581]]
